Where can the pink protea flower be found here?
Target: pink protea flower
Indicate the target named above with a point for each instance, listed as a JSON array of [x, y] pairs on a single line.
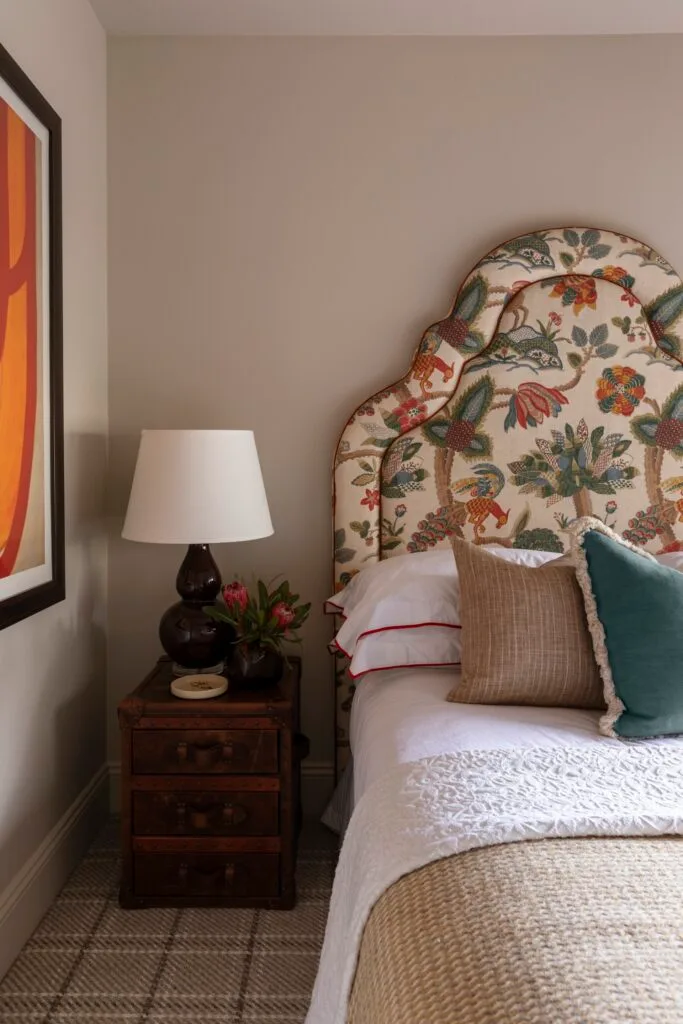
[[236, 596], [283, 614]]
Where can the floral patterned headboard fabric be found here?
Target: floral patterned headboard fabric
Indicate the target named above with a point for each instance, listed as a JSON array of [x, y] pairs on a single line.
[[551, 390]]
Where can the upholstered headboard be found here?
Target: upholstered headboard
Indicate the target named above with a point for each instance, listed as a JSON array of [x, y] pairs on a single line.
[[550, 390]]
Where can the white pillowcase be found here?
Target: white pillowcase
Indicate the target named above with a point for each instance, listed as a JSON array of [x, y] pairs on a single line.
[[405, 611], [674, 559], [406, 646]]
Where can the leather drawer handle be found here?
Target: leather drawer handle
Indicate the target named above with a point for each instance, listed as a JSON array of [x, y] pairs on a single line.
[[202, 815], [234, 814], [205, 755], [225, 874]]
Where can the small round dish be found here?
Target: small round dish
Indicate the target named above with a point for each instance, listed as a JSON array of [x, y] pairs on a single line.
[[199, 687]]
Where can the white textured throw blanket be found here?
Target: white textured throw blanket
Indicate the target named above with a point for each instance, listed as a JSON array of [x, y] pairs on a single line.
[[444, 805]]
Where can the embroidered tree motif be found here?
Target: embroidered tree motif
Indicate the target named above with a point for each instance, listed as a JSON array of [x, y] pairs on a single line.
[[573, 464], [458, 430], [663, 429], [457, 329], [662, 314], [660, 431]]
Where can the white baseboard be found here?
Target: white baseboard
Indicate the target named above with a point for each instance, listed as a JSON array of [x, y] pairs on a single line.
[[28, 896], [317, 783]]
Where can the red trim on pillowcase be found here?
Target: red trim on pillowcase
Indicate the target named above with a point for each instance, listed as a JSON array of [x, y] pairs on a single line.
[[410, 625], [388, 668], [341, 650], [386, 629]]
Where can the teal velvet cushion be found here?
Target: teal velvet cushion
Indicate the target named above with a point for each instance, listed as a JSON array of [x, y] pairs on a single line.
[[634, 608]]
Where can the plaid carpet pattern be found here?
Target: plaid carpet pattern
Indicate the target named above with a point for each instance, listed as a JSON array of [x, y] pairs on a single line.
[[89, 961]]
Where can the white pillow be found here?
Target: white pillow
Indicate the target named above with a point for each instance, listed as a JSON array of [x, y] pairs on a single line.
[[406, 646], [376, 581], [405, 611], [674, 559]]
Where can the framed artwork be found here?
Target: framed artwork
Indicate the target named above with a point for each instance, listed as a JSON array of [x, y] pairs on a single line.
[[31, 403]]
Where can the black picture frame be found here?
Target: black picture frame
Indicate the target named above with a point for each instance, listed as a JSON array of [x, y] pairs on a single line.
[[22, 605]]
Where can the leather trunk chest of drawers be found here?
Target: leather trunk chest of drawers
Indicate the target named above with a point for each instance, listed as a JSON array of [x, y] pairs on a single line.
[[210, 794]]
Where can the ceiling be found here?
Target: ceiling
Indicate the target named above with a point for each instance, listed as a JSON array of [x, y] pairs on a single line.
[[390, 17]]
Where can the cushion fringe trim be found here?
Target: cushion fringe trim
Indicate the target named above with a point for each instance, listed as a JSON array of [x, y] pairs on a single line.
[[579, 529]]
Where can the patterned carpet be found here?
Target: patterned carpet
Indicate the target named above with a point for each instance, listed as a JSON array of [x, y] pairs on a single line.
[[89, 962]]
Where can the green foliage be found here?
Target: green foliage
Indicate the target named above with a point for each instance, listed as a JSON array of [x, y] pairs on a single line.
[[471, 300], [521, 522], [540, 539], [572, 462], [599, 334], [671, 344], [665, 309], [342, 554], [644, 429], [363, 529], [623, 323], [457, 431], [598, 252], [665, 430], [363, 479], [571, 237], [403, 481], [597, 340], [673, 407], [591, 237], [475, 401]]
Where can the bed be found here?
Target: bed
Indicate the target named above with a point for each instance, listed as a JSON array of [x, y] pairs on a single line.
[[447, 906]]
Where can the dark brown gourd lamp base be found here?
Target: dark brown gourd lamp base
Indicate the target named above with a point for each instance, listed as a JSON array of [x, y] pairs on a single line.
[[196, 642], [197, 487]]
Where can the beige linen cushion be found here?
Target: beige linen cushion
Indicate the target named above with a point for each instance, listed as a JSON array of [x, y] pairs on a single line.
[[525, 639]]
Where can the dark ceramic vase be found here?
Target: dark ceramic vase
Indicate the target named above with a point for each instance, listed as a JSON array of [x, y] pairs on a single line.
[[256, 666]]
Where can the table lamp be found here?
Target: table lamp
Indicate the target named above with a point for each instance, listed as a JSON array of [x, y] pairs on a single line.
[[196, 487]]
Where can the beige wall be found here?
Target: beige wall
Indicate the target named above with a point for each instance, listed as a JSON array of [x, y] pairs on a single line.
[[52, 666], [287, 215]]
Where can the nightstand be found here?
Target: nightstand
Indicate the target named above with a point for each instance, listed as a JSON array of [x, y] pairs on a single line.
[[210, 794]]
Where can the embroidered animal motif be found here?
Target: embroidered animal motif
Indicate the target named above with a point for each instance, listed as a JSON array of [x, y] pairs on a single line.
[[529, 252], [484, 488], [522, 347], [478, 511], [426, 363]]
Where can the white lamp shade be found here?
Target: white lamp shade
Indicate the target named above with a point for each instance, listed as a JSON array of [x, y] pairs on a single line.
[[197, 487]]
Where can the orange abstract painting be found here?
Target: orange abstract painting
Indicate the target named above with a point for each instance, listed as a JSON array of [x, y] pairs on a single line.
[[21, 457], [32, 549]]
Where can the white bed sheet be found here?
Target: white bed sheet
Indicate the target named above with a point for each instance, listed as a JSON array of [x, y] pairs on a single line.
[[402, 715]]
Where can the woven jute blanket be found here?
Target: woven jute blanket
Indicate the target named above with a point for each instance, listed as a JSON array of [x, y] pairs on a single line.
[[555, 931], [420, 814]]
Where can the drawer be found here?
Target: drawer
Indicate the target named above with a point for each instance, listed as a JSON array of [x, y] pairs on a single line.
[[234, 875], [198, 813], [186, 752]]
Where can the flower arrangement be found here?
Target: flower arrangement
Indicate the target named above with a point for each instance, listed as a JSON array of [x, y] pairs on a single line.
[[264, 619]]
